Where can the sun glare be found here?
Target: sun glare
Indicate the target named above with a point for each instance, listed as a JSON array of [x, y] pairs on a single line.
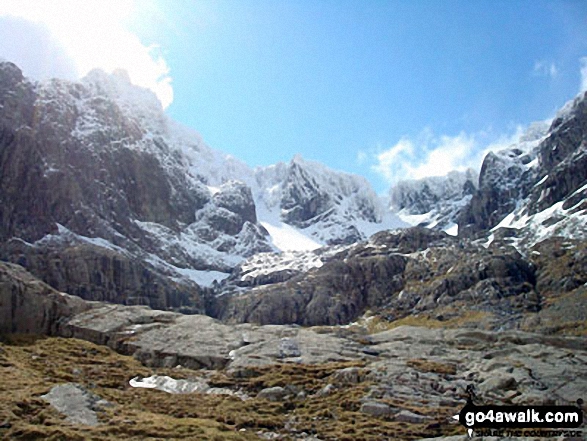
[[93, 35]]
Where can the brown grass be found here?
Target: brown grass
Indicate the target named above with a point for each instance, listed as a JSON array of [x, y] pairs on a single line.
[[432, 366], [30, 366], [378, 324]]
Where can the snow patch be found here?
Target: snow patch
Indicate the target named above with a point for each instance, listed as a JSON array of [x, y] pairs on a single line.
[[453, 230], [169, 385]]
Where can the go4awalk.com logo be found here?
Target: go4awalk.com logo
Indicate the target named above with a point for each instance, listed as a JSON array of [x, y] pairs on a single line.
[[536, 421]]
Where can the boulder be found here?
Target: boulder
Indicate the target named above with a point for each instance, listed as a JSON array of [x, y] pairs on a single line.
[[76, 403], [376, 409], [276, 393]]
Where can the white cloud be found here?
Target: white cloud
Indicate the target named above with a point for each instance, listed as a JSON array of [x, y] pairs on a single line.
[[545, 69], [432, 155], [68, 38], [388, 161], [583, 62]]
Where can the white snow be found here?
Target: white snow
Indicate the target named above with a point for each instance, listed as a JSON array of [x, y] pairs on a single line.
[[490, 240], [434, 202], [66, 235], [202, 278], [287, 238], [170, 385], [453, 230], [266, 263], [579, 190], [541, 181]]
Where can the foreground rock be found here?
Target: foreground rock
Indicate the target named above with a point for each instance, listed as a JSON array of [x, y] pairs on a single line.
[[409, 375], [414, 364], [76, 403], [28, 305], [406, 380], [160, 338]]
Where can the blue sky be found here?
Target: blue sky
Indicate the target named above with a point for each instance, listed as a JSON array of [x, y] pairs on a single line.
[[385, 89]]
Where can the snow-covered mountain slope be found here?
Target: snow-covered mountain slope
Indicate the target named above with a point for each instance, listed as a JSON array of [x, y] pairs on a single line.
[[433, 202], [538, 186], [304, 205], [99, 163]]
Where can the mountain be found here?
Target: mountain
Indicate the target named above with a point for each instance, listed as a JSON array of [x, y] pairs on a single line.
[[328, 331], [529, 191], [519, 253], [328, 208], [105, 197], [536, 188], [433, 202]]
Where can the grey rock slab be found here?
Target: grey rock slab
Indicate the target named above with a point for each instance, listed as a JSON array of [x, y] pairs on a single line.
[[289, 347], [376, 408], [78, 404], [350, 375], [326, 390], [313, 348], [276, 393], [499, 384], [410, 417]]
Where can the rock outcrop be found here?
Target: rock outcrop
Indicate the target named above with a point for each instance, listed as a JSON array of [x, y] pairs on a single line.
[[406, 380], [398, 274], [98, 272], [76, 403], [30, 306]]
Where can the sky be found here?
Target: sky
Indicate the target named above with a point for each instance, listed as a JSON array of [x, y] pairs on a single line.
[[389, 90]]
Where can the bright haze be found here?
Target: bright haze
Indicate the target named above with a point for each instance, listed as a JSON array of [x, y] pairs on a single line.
[[386, 89]]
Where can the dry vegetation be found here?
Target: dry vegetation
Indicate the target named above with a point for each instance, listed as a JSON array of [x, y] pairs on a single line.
[[30, 366], [375, 324]]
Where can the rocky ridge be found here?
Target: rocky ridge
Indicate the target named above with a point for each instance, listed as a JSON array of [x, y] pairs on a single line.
[[398, 274]]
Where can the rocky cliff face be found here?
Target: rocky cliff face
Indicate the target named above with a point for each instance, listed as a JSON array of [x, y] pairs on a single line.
[[30, 306], [398, 274], [103, 196], [78, 167], [537, 185], [330, 208], [434, 202]]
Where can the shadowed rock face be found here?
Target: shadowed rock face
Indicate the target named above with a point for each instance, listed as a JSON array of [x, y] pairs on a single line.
[[101, 274], [78, 168], [30, 306], [48, 176], [302, 198], [95, 189]]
